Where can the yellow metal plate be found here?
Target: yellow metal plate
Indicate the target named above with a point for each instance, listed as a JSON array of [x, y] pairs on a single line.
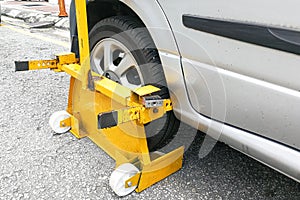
[[160, 168], [145, 90]]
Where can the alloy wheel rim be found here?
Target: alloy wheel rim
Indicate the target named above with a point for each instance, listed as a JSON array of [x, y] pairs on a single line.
[[113, 60]]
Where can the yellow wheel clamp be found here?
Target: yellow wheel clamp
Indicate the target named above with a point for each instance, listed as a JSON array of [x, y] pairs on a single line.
[[112, 116]]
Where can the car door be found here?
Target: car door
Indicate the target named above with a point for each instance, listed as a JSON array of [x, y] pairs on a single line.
[[241, 62]]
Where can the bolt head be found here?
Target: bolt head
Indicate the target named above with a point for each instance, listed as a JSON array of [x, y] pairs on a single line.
[[107, 75], [129, 184]]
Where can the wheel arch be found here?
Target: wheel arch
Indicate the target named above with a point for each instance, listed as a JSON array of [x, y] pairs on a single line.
[[148, 12], [152, 17]]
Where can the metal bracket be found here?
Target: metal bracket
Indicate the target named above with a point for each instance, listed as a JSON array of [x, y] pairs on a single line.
[[54, 64], [66, 122], [152, 101], [133, 181]]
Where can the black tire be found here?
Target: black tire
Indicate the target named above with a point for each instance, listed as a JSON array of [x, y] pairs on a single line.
[[132, 34]]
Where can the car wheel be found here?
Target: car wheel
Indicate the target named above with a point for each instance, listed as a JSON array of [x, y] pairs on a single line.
[[123, 50]]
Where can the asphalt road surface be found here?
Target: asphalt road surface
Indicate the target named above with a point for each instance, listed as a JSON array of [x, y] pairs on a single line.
[[36, 164]]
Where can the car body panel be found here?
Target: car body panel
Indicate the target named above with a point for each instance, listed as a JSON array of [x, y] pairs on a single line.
[[276, 155], [274, 113], [260, 90]]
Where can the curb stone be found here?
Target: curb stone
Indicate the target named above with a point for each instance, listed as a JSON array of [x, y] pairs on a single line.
[[34, 18]]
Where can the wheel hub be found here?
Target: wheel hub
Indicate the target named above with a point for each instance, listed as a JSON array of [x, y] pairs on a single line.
[[112, 76]]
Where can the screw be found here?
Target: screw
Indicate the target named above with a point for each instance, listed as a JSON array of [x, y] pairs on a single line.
[[155, 110], [129, 184], [63, 124]]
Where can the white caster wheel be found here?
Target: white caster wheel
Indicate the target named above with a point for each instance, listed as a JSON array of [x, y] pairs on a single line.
[[119, 176], [55, 120]]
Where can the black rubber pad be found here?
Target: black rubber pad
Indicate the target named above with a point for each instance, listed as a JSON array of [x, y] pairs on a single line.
[[107, 120], [21, 66]]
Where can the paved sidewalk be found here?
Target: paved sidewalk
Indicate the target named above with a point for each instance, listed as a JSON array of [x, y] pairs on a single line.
[[36, 14]]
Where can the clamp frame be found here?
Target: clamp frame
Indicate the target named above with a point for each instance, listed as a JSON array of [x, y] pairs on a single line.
[[111, 115]]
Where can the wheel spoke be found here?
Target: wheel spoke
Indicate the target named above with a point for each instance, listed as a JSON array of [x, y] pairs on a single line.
[[124, 65], [95, 62], [124, 81], [107, 55]]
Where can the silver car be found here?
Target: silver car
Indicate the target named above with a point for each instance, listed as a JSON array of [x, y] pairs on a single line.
[[231, 68]]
